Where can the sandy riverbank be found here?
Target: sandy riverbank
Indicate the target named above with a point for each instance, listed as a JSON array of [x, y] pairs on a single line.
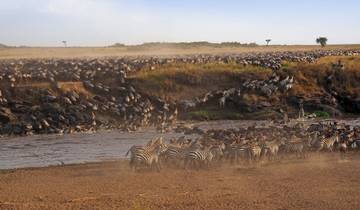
[[319, 182]]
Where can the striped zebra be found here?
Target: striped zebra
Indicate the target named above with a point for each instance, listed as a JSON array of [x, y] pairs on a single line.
[[136, 148], [328, 143], [148, 159], [218, 152], [254, 152], [354, 144], [198, 158], [315, 141], [270, 149], [141, 149], [357, 143], [175, 154], [236, 152], [295, 147]]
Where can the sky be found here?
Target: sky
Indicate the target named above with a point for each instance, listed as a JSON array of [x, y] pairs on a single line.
[[104, 22]]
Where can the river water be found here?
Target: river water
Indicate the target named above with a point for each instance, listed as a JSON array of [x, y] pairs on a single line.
[[47, 150]]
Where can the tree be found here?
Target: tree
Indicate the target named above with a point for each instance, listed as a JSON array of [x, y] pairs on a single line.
[[267, 42], [65, 43], [322, 41]]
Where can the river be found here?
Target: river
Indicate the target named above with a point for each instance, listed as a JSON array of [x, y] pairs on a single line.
[[48, 150]]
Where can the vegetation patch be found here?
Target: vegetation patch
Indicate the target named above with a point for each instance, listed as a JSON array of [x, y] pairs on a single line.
[[214, 115], [322, 114]]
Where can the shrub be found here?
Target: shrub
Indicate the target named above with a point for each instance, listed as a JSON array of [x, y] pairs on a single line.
[[322, 114]]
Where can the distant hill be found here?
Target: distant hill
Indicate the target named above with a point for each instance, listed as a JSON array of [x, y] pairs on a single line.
[[184, 45], [117, 45], [3, 46]]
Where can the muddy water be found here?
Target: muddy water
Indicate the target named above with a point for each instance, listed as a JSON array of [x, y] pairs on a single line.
[[46, 150]]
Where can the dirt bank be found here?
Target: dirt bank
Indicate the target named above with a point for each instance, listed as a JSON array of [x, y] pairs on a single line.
[[319, 86], [320, 182]]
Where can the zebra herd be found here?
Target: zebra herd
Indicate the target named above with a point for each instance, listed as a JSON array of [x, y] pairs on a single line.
[[243, 146]]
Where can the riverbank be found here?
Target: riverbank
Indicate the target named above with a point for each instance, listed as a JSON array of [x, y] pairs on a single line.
[[319, 182]]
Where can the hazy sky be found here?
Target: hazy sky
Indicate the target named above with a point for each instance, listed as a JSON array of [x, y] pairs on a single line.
[[103, 22]]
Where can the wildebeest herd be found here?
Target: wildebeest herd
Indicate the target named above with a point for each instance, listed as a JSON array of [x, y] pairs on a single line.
[[245, 145], [76, 95]]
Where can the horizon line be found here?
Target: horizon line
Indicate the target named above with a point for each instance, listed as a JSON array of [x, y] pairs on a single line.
[[144, 44]]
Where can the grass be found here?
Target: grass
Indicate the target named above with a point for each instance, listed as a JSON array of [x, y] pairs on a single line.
[[64, 87], [96, 52], [215, 115], [210, 114], [322, 114], [186, 81], [312, 78]]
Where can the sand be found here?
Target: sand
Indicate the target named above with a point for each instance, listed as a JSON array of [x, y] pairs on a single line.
[[319, 182]]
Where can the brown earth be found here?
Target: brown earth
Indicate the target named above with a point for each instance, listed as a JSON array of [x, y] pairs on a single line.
[[187, 81], [319, 182], [96, 52]]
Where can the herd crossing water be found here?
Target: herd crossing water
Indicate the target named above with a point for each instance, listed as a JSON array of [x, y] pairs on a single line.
[[46, 150]]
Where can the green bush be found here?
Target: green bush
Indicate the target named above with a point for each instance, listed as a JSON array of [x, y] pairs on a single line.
[[322, 114], [215, 115]]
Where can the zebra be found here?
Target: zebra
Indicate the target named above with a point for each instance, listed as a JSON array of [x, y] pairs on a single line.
[[136, 148], [328, 143], [198, 158], [236, 152], [254, 152], [295, 147], [316, 141], [140, 149], [148, 158], [222, 102], [218, 152], [321, 143], [270, 149], [175, 154], [356, 143]]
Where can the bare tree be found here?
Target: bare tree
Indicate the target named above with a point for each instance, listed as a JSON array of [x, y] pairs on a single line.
[[65, 43], [267, 42]]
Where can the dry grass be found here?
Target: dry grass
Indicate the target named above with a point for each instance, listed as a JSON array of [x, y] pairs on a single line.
[[185, 81], [78, 52], [63, 87], [74, 86], [311, 78]]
